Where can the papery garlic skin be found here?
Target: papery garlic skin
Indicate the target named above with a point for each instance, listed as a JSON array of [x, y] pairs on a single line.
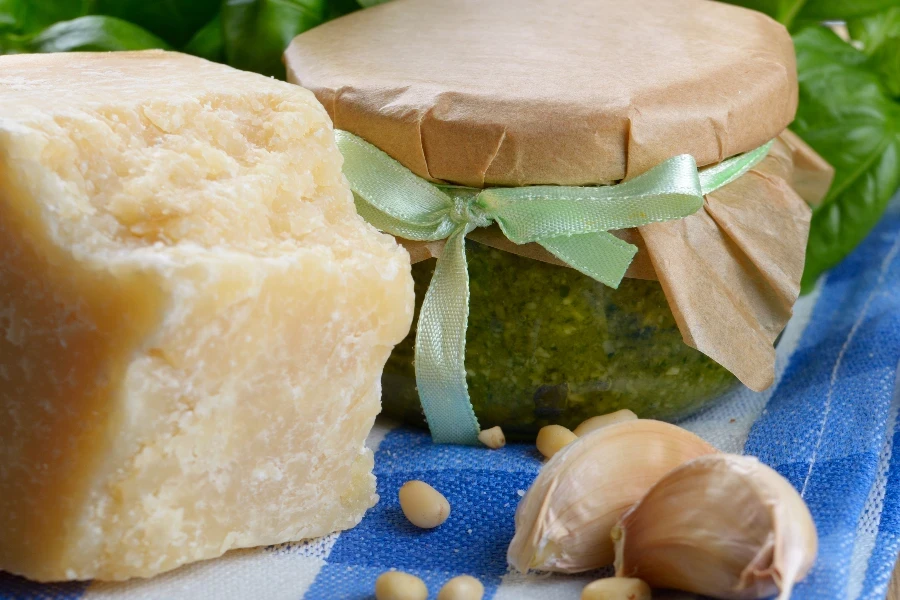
[[723, 525], [564, 521]]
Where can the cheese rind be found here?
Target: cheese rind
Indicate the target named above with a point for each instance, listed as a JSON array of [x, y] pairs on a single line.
[[193, 319]]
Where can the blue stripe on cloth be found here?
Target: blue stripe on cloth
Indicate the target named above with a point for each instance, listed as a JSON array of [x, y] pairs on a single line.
[[17, 588], [824, 427], [886, 524], [887, 541], [483, 489]]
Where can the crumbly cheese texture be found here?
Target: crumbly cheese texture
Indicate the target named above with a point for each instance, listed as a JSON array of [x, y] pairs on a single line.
[[193, 319]]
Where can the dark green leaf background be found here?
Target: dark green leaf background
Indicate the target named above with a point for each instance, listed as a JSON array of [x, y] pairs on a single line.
[[175, 21], [849, 92], [208, 42], [34, 15], [256, 32], [248, 34], [93, 33]]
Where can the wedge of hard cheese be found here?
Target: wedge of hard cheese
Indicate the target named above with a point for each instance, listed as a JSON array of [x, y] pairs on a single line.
[[193, 319]]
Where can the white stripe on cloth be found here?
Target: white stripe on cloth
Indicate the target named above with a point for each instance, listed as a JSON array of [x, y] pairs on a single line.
[[283, 572], [870, 519], [516, 586], [381, 429], [876, 289], [280, 573]]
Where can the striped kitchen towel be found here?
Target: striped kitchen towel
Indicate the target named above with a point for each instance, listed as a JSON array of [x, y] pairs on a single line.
[[829, 425]]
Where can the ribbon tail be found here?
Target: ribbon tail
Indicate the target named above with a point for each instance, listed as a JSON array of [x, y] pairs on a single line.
[[599, 255], [441, 348]]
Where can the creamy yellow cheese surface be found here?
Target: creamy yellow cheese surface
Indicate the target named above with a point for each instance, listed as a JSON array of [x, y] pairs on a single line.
[[193, 319]]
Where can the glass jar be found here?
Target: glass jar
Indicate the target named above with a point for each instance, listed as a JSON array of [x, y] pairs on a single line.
[[547, 344]]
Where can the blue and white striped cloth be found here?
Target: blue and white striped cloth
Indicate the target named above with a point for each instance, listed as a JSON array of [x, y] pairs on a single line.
[[829, 425]]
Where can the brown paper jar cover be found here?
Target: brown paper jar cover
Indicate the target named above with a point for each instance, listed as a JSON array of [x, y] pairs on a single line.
[[519, 92]]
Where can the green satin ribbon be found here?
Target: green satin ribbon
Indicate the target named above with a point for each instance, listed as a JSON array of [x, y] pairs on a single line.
[[573, 223]]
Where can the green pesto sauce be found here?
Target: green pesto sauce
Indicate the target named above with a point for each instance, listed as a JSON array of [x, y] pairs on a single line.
[[547, 344]]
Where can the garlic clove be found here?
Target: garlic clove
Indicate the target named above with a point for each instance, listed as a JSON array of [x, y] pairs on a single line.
[[594, 423], [564, 521], [722, 525]]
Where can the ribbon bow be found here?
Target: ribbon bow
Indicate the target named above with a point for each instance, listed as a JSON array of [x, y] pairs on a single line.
[[572, 223]]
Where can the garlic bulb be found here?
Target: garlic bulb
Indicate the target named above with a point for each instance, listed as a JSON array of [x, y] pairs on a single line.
[[564, 521], [723, 525]]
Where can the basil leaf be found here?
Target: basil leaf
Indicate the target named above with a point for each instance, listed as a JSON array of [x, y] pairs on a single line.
[[795, 14], [175, 21], [257, 31], [12, 43], [338, 8], [208, 43], [94, 33], [847, 117], [10, 15], [841, 10], [31, 16], [37, 15], [879, 35], [783, 11]]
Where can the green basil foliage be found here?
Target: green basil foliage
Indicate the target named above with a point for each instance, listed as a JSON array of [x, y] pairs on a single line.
[[840, 10], [93, 33], [208, 42], [848, 113], [256, 32], [849, 92], [879, 38], [848, 116], [784, 11], [247, 34], [29, 16], [175, 21], [795, 14], [70, 25]]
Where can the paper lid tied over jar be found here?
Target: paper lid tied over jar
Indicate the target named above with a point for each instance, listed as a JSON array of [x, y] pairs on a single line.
[[512, 92]]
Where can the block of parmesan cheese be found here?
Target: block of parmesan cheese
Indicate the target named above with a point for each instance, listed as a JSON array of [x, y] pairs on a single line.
[[193, 319]]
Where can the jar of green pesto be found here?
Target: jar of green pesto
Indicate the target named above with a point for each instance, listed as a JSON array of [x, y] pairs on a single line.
[[489, 96], [546, 344]]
